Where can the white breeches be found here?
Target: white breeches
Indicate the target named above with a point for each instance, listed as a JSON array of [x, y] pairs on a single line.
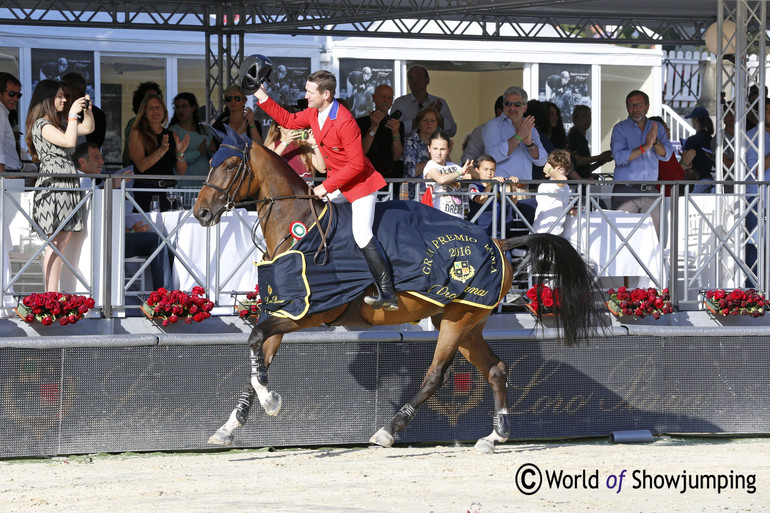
[[362, 218]]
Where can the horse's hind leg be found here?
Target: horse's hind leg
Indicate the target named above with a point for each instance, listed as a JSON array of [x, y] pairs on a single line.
[[476, 350], [456, 322]]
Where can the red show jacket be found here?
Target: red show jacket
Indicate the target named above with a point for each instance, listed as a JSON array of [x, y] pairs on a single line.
[[340, 142]]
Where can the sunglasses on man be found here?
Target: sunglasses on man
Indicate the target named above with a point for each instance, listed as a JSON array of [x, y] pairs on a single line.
[[515, 104], [231, 98], [13, 94]]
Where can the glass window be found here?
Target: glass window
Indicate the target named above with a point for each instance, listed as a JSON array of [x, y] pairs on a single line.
[[191, 78], [120, 76], [9, 60]]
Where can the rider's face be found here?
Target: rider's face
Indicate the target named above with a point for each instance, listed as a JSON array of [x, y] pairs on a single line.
[[315, 98]]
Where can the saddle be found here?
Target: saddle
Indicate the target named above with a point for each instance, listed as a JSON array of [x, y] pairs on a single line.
[[435, 256]]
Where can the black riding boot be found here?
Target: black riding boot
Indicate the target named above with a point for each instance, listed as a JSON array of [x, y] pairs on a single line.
[[383, 280]]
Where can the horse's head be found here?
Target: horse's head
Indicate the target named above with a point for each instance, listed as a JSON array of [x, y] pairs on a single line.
[[230, 179]]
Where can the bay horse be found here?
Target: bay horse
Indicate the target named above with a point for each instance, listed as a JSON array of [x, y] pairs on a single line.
[[253, 171]]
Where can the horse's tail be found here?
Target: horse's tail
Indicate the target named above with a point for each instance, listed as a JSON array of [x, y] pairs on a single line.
[[553, 259]]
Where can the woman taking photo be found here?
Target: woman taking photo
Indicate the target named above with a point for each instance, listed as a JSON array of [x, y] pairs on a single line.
[[238, 116], [51, 141], [298, 148], [154, 150], [186, 122]]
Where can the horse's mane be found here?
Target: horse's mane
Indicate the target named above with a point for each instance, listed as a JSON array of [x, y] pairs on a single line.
[[280, 166]]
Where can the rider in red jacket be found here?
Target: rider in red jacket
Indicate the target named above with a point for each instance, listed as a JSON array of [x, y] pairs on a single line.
[[350, 177]]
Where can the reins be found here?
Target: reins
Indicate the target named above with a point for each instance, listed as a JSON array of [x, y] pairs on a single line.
[[244, 170]]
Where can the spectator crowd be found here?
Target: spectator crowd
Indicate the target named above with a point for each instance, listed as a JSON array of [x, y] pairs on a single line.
[[411, 136]]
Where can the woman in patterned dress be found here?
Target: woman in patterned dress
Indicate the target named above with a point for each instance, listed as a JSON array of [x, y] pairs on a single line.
[[51, 141]]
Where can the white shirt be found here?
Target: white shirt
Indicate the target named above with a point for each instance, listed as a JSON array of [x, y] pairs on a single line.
[[8, 155], [323, 115], [409, 107], [442, 200], [552, 201]]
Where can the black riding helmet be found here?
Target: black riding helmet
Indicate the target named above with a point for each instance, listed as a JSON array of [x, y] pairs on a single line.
[[254, 71]]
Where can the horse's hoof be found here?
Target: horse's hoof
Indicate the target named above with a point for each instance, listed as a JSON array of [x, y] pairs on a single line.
[[484, 446], [272, 404], [221, 438], [382, 438]]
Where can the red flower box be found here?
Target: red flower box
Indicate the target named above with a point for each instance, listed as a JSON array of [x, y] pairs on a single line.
[[639, 302], [249, 307], [171, 306], [542, 300], [737, 302], [50, 307]]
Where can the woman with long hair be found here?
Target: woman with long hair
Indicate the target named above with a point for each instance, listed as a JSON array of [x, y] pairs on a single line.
[[51, 141], [186, 122], [556, 126], [239, 117], [154, 150], [297, 147]]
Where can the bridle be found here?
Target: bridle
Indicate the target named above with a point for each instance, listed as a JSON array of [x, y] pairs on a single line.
[[244, 170]]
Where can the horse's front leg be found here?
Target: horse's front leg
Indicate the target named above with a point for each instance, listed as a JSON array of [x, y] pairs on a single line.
[[262, 354], [262, 349]]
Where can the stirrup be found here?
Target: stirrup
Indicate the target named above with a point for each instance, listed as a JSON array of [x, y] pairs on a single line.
[[386, 303]]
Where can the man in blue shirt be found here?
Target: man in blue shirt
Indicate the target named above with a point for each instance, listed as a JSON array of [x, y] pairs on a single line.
[[637, 145], [511, 138]]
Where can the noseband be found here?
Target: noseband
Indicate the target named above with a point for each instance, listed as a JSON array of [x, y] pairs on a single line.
[[244, 170]]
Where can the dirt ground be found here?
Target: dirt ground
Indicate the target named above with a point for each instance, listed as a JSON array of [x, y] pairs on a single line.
[[418, 479]]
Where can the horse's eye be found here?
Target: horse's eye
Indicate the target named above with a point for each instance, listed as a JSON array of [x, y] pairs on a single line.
[[230, 166]]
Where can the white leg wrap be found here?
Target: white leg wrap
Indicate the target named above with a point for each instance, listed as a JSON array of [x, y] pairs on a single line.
[[231, 424]]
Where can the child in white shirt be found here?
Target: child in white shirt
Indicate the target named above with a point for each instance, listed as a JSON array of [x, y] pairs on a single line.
[[553, 197], [445, 175]]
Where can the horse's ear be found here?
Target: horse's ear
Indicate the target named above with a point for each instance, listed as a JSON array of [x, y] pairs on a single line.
[[219, 136], [231, 133]]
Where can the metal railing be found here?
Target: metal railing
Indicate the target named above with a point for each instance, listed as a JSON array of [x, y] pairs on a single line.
[[704, 240]]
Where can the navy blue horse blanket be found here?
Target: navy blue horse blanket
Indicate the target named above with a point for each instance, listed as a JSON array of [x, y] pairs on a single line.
[[434, 256]]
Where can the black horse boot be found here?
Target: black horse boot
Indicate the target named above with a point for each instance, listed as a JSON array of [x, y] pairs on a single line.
[[383, 280]]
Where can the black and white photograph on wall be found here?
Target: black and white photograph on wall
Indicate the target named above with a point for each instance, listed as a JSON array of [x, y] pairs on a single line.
[[112, 102], [287, 81], [566, 85], [286, 85], [357, 80], [54, 64]]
